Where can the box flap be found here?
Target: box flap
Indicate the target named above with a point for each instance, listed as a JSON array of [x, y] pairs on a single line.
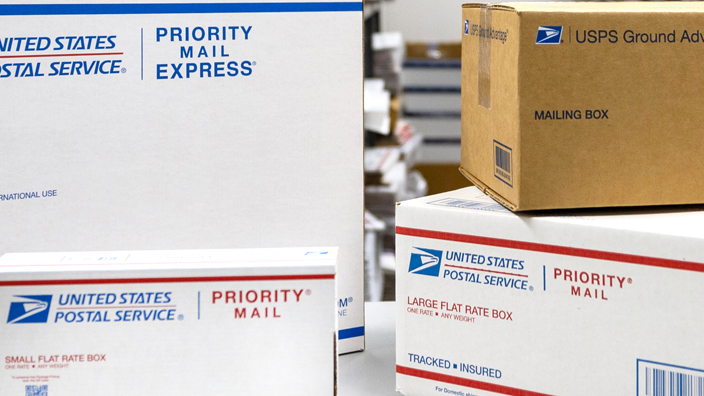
[[488, 191]]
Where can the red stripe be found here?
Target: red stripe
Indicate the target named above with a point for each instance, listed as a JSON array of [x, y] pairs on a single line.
[[58, 55], [554, 249], [121, 307], [483, 270], [504, 390], [164, 280]]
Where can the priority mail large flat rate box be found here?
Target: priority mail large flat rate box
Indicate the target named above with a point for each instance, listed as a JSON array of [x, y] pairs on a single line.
[[491, 302], [185, 125], [215, 322], [580, 104]]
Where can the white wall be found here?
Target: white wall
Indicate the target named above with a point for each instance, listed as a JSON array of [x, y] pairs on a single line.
[[424, 20], [427, 20]]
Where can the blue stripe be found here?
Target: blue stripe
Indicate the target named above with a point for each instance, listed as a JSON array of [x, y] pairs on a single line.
[[433, 114], [350, 333], [175, 8], [543, 278], [450, 141], [433, 63], [432, 90]]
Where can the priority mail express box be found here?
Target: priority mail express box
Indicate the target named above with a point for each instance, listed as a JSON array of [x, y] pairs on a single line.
[[185, 125], [190, 322], [579, 104], [491, 302]]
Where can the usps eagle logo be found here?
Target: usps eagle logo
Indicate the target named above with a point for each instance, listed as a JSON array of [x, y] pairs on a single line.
[[549, 35], [29, 309], [425, 262]]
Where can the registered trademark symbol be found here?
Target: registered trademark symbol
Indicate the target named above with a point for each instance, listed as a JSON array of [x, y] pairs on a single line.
[[308, 292], [180, 317], [349, 299], [254, 63], [630, 280], [123, 70], [530, 288]]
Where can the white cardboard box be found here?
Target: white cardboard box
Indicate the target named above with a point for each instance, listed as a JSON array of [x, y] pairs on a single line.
[[602, 302], [185, 125], [215, 322]]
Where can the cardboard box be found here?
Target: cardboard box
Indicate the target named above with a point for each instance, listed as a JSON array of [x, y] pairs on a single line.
[[211, 124], [441, 177], [433, 50], [560, 110], [491, 302], [168, 322]]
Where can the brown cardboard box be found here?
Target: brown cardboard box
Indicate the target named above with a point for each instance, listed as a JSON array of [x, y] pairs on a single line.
[[434, 50], [568, 105]]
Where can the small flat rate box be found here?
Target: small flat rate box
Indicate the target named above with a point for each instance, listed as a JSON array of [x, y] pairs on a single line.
[[183, 322], [205, 124], [569, 105], [491, 302]]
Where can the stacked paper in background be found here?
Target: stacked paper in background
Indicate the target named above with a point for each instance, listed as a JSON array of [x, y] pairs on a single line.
[[432, 103], [377, 101], [389, 179], [168, 322], [578, 303], [388, 50], [169, 126]]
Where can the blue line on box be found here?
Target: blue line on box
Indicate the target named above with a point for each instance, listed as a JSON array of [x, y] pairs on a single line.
[[176, 8], [350, 333]]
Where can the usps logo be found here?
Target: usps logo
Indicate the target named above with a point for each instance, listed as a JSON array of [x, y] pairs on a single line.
[[466, 26], [425, 262], [29, 309], [549, 35]]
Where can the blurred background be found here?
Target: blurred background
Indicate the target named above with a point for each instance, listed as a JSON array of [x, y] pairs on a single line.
[[411, 117]]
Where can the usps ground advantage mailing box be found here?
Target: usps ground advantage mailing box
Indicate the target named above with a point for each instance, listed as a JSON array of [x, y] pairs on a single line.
[[185, 125], [194, 322], [598, 303], [583, 104]]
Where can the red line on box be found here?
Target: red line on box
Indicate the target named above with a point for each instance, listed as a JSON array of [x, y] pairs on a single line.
[[483, 270], [554, 249], [119, 307], [505, 390], [50, 282], [59, 55]]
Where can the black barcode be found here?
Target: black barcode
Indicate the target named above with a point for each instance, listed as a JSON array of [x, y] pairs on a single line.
[[661, 382], [503, 159], [465, 204]]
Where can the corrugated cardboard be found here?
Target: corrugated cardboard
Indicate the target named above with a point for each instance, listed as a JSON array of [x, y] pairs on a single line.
[[207, 124], [491, 302], [580, 104], [213, 322]]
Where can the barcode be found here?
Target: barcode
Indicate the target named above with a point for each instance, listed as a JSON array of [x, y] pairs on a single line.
[[465, 204], [660, 379], [669, 383], [503, 159], [37, 390]]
